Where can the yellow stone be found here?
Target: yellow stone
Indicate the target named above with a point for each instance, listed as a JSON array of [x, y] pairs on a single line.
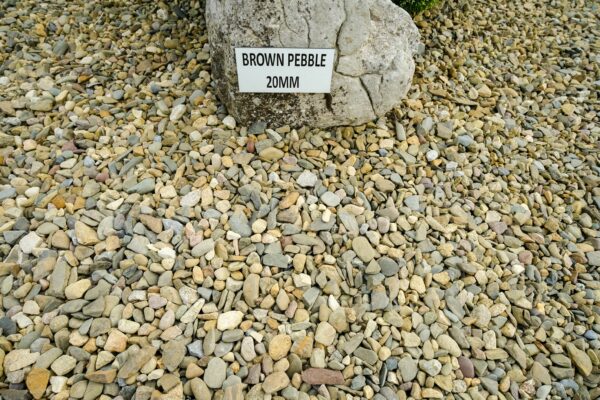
[[37, 382]]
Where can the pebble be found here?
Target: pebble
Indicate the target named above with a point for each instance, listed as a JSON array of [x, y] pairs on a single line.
[[30, 242], [322, 376], [408, 369], [275, 382], [325, 334], [229, 320], [215, 373], [279, 347], [330, 199], [363, 249], [307, 179], [37, 382]]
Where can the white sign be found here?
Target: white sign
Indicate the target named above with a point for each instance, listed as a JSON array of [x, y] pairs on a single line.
[[278, 70]]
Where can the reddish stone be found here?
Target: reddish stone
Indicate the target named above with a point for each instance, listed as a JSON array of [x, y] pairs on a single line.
[[250, 146], [466, 367], [70, 145], [322, 376], [102, 177]]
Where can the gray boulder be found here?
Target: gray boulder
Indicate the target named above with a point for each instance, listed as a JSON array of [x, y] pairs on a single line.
[[375, 41]]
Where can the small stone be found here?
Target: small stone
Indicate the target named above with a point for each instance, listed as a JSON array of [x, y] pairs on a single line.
[[279, 347], [177, 113], [229, 122], [191, 199], [30, 242], [379, 298], [60, 240], [363, 249], [116, 342], [19, 359], [102, 376], [388, 266], [199, 389], [275, 382], [215, 373], [77, 289], [431, 367], [466, 367], [593, 258], [330, 199], [238, 223], [135, 361], [7, 193], [173, 353], [321, 376], [271, 154], [63, 365], [581, 360], [413, 202], [8, 326], [86, 236], [447, 343], [37, 382], [229, 320], [307, 179], [251, 289], [368, 356], [408, 369], [432, 155], [44, 104], [325, 334], [259, 226], [139, 244], [247, 350]]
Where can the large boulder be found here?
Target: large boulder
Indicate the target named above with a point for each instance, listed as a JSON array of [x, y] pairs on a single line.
[[375, 41]]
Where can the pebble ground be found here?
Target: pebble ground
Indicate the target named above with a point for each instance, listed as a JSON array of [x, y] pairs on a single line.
[[150, 248]]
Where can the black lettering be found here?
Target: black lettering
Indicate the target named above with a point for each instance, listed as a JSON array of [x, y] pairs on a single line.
[[290, 59], [245, 60], [304, 60], [252, 59], [323, 58], [270, 59], [281, 82], [295, 82]]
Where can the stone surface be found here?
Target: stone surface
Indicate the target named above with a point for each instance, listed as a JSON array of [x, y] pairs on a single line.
[[279, 346], [275, 382], [321, 376], [37, 382], [229, 320], [374, 40], [18, 359], [214, 375]]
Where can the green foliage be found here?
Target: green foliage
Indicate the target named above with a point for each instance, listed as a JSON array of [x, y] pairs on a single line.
[[415, 6]]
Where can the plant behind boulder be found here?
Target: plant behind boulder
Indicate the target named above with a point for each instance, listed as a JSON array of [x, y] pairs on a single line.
[[415, 6]]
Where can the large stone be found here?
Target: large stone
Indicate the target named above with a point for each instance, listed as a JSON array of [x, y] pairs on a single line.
[[375, 41], [18, 359], [321, 376], [37, 381]]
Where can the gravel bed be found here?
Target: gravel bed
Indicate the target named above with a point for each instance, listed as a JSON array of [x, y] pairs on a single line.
[[151, 248]]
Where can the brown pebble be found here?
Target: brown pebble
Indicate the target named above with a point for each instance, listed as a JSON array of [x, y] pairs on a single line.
[[466, 367], [250, 148], [322, 376]]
